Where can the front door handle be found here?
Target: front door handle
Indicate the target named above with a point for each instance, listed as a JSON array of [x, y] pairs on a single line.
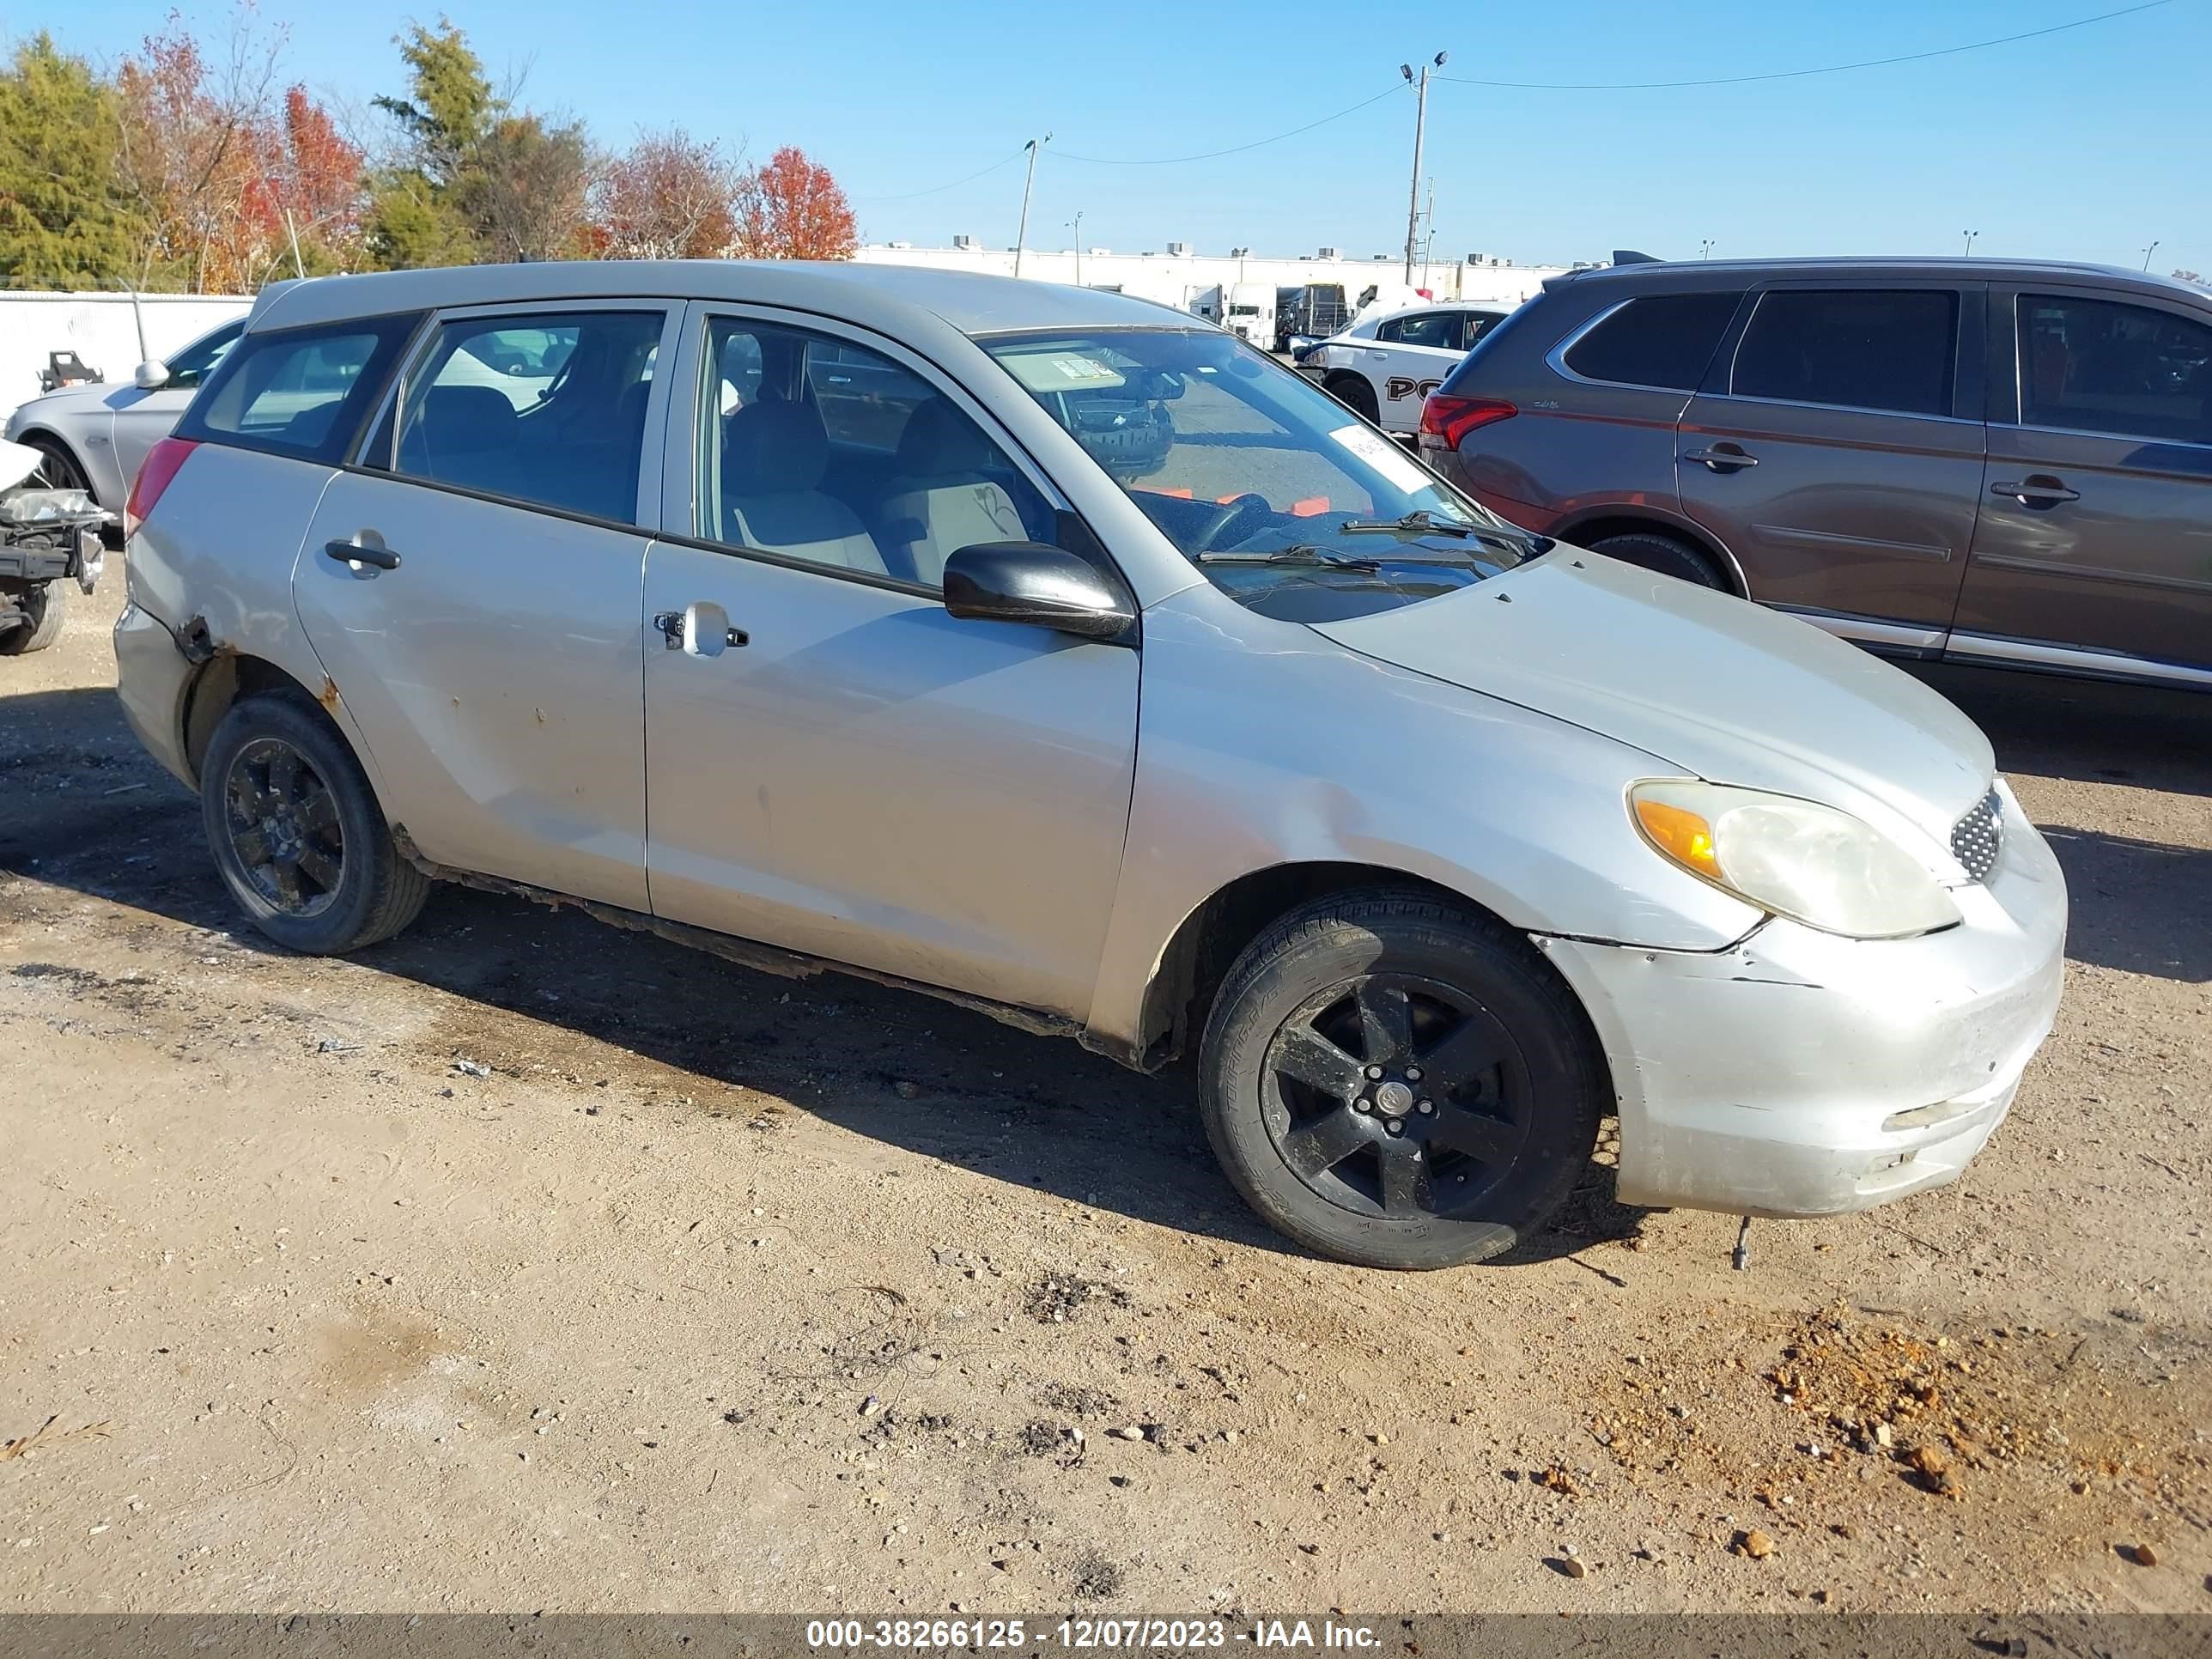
[[1723, 458], [703, 629], [367, 548], [2037, 489]]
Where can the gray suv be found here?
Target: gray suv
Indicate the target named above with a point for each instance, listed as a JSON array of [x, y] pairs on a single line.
[[2002, 463]]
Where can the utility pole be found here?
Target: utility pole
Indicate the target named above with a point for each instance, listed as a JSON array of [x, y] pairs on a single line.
[[1429, 237], [1420, 133], [1021, 236], [1970, 235], [1078, 247], [2148, 251]]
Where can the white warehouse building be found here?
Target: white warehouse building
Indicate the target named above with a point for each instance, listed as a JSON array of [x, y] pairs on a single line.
[[1173, 274]]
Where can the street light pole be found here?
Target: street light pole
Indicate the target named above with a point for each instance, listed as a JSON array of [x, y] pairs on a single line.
[[1420, 134], [2148, 251], [1022, 235], [1705, 248], [1970, 235], [1078, 247]]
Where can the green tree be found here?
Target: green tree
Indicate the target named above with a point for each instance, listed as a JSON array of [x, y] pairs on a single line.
[[416, 214], [64, 219]]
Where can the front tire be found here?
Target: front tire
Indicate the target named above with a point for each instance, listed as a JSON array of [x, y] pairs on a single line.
[[1397, 1082], [297, 833], [45, 608]]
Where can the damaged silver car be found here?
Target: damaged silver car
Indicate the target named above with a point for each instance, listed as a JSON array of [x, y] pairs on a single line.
[[792, 610]]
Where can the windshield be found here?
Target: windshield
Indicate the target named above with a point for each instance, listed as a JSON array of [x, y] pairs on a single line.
[[1284, 499]]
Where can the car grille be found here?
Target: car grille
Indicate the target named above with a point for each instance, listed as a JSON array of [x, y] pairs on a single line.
[[1978, 837]]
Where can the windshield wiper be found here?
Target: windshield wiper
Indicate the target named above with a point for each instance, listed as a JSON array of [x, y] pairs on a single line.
[[1322, 556], [1419, 522], [1314, 556]]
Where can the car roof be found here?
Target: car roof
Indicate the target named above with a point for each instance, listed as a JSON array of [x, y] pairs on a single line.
[[884, 297], [1697, 273]]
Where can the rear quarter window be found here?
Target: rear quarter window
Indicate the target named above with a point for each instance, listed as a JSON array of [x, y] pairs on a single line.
[[299, 391], [1660, 340]]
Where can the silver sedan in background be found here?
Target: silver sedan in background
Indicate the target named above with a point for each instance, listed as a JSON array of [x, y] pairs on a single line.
[[1029, 647]]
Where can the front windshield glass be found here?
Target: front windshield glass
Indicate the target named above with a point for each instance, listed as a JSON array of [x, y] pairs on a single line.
[[1285, 499]]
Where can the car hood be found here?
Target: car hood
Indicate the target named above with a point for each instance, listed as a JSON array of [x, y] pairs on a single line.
[[1711, 686], [49, 406]]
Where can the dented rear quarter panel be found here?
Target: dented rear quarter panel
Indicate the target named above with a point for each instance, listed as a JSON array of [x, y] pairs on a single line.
[[214, 565]]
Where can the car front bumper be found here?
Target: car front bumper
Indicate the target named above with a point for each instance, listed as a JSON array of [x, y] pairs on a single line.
[[1799, 1074], [151, 677]]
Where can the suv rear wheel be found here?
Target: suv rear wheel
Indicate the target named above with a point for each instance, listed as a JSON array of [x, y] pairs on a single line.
[[1669, 556], [296, 831], [1395, 1082]]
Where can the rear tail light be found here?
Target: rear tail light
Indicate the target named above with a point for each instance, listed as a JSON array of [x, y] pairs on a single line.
[[1450, 419], [162, 463]]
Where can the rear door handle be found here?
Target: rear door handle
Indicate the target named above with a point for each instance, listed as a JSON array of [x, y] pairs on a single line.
[[702, 629], [1721, 458], [367, 548], [2040, 490]]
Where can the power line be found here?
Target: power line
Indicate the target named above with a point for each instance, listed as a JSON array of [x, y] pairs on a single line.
[[1234, 149], [1795, 74], [935, 190]]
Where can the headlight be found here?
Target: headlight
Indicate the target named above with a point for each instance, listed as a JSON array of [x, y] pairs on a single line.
[[1793, 858]]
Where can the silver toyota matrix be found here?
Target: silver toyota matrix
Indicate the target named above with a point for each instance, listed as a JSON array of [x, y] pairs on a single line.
[[1037, 649]]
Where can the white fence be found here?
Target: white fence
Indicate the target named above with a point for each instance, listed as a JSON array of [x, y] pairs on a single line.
[[99, 328]]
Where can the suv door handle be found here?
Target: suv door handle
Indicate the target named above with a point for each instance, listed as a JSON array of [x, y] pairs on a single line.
[[2037, 490], [367, 548], [1721, 458]]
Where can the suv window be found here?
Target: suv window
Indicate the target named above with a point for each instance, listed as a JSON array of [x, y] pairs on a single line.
[[826, 451], [548, 409], [300, 392], [2100, 366], [1661, 340], [193, 364], [1889, 349], [1427, 328]]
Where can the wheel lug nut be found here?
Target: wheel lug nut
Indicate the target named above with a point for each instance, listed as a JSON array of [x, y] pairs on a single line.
[[1375, 1074], [1412, 1074], [1396, 1125], [1425, 1107], [1361, 1106]]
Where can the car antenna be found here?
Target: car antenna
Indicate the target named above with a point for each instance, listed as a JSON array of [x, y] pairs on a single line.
[[1739, 1258]]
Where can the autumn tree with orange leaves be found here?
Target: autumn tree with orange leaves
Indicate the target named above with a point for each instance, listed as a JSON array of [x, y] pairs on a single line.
[[669, 195], [791, 209]]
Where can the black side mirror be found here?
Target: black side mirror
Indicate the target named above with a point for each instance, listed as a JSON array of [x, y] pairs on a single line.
[[1030, 582]]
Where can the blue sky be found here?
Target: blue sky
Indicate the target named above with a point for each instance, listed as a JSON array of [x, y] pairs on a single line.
[[2083, 145]]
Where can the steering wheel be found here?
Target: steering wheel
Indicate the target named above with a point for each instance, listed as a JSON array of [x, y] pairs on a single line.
[[1232, 512]]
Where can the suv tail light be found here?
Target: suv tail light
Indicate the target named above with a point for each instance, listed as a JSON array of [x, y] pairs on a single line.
[[162, 463], [1451, 419]]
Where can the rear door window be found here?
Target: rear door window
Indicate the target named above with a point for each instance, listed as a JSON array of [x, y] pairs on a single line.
[[2098, 365], [1427, 328], [1662, 340], [1892, 350], [546, 410], [300, 392]]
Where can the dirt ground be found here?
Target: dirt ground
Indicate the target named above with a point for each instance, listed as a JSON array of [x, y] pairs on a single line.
[[694, 1289]]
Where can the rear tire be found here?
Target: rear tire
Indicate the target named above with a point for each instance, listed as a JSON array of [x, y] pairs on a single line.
[[1482, 1119], [296, 831], [1355, 394], [46, 604], [1668, 555]]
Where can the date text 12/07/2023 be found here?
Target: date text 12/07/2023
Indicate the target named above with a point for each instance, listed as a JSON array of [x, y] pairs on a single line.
[[1139, 1634]]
